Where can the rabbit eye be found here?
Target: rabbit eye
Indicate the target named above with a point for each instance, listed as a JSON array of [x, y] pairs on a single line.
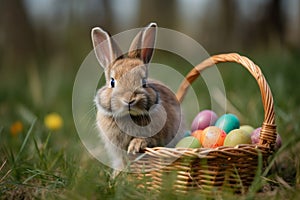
[[144, 82], [112, 82]]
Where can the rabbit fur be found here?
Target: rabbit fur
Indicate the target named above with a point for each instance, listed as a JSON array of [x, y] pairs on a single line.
[[133, 111]]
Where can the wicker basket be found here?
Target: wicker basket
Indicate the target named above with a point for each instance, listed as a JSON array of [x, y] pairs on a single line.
[[210, 170]]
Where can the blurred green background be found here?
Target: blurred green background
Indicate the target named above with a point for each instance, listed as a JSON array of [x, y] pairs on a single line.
[[44, 42]]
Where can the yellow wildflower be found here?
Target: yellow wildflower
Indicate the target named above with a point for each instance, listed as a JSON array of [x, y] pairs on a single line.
[[16, 128], [53, 121]]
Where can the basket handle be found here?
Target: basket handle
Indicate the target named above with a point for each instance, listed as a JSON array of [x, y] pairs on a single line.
[[268, 132]]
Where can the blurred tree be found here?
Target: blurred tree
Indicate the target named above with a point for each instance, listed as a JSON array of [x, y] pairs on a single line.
[[18, 33], [162, 12], [267, 28], [227, 22], [106, 21], [275, 20]]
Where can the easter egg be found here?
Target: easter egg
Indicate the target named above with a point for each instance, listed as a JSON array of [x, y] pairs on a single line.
[[237, 136], [198, 134], [212, 137], [278, 142], [228, 122], [255, 138], [188, 142], [187, 133], [249, 129], [204, 119], [255, 135]]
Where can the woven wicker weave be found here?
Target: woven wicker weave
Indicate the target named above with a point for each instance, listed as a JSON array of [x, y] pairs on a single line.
[[205, 169]]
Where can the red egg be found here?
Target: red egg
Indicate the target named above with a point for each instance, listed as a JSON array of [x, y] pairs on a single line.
[[212, 137], [204, 119]]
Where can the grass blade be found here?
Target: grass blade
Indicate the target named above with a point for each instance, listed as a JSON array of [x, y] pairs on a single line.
[[47, 141], [25, 140]]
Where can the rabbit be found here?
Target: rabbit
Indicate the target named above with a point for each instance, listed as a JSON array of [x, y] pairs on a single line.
[[133, 111]]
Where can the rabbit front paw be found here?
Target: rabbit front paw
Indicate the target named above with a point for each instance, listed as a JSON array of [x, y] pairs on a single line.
[[136, 145]]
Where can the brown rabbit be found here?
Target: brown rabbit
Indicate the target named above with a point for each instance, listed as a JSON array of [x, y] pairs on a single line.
[[133, 112]]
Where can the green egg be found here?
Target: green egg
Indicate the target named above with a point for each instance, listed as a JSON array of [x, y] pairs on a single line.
[[249, 129], [237, 136], [189, 142]]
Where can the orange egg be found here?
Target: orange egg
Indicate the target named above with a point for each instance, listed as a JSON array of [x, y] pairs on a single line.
[[197, 134], [212, 137]]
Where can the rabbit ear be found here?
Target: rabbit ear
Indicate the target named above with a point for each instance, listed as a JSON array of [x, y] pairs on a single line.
[[105, 47], [142, 45]]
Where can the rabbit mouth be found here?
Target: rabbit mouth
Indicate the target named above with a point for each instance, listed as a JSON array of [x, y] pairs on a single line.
[[137, 112], [133, 112]]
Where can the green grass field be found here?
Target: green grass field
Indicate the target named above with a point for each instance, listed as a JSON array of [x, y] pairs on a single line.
[[39, 163]]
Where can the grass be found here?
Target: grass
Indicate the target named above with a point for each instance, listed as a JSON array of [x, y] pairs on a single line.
[[39, 163]]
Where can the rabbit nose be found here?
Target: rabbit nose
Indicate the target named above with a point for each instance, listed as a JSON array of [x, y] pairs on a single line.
[[129, 102]]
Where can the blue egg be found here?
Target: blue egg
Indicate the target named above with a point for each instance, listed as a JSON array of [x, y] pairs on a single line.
[[228, 122], [187, 133]]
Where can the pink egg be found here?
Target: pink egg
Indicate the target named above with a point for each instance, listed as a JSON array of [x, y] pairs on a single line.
[[255, 138], [278, 142], [204, 119]]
